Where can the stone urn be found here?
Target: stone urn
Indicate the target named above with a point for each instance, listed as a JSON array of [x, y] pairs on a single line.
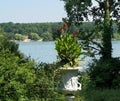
[[69, 80]]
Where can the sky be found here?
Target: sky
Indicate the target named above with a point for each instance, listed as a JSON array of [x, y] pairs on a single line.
[[29, 11]]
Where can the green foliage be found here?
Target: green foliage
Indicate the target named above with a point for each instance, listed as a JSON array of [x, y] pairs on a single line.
[[2, 38], [6, 44], [47, 36], [116, 36], [100, 95], [33, 36], [105, 73], [77, 10], [84, 79], [106, 51], [16, 71], [44, 85], [102, 15], [21, 79], [68, 49], [14, 76], [19, 37], [26, 28]]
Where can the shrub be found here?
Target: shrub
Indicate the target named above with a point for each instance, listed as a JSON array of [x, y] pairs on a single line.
[[33, 36], [14, 76], [19, 37], [106, 74], [101, 95]]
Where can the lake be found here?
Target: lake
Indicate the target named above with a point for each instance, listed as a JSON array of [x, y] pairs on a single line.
[[39, 51], [45, 51]]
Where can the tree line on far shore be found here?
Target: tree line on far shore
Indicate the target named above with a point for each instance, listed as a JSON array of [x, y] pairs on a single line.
[[47, 31]]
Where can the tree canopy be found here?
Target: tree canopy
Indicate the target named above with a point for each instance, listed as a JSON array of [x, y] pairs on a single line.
[[21, 31], [104, 14]]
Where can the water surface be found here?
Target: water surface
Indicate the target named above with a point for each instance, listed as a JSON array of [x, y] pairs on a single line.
[[45, 51]]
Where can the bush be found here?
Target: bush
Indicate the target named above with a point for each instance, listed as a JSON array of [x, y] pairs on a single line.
[[14, 76], [101, 95], [19, 37], [33, 36], [105, 74], [84, 79], [47, 36], [116, 36]]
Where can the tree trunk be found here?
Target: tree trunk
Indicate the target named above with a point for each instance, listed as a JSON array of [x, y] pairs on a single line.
[[107, 45]]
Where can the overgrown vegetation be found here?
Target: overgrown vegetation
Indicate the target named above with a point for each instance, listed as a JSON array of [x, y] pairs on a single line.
[[100, 95], [45, 31], [103, 74], [21, 79]]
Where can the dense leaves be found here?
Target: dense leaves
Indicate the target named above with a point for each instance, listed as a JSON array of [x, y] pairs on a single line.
[[104, 13], [77, 10], [34, 36], [14, 76], [68, 49], [27, 29], [20, 78], [106, 74], [45, 31], [19, 37], [47, 36]]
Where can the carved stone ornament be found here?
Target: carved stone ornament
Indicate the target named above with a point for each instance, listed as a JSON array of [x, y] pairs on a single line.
[[69, 79]]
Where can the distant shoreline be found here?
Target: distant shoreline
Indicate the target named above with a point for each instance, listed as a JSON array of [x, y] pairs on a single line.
[[27, 40]]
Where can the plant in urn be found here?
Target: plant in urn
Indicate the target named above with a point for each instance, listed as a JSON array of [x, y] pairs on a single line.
[[69, 50]]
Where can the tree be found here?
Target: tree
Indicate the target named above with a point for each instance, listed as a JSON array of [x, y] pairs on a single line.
[[103, 72], [34, 36], [19, 37], [16, 71], [20, 78], [6, 44], [15, 76], [103, 14], [46, 36]]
